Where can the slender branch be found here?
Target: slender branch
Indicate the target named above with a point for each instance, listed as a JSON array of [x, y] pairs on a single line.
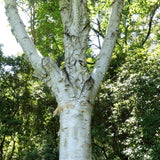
[[32, 19], [99, 32], [98, 47], [99, 28], [150, 23], [103, 150], [1, 146], [104, 57], [91, 63]]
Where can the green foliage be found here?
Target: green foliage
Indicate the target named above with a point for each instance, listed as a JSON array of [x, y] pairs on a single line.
[[126, 113], [48, 29], [128, 110], [27, 128]]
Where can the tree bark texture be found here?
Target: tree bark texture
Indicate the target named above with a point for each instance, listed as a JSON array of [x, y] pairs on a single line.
[[75, 135], [74, 88]]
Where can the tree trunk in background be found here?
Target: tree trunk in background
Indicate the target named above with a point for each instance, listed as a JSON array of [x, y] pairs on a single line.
[[74, 88]]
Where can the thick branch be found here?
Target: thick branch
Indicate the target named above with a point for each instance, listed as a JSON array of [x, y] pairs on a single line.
[[104, 57], [19, 31], [41, 65], [76, 28]]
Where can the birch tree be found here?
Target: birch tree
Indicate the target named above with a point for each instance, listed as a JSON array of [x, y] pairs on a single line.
[[74, 87]]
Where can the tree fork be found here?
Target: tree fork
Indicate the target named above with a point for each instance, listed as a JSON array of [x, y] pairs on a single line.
[[75, 101]]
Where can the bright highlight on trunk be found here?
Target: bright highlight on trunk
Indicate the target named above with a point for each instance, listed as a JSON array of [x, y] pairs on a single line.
[[75, 141]]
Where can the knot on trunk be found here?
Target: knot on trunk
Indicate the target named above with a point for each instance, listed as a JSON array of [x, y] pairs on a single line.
[[61, 107]]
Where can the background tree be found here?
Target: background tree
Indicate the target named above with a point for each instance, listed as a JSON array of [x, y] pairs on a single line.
[[26, 121], [134, 57]]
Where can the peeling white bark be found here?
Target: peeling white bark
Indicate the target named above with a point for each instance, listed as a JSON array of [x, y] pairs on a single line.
[[44, 67], [76, 28], [75, 89], [75, 142], [19, 31]]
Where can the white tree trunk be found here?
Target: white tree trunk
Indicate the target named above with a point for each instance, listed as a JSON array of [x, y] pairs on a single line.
[[74, 88], [75, 135]]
